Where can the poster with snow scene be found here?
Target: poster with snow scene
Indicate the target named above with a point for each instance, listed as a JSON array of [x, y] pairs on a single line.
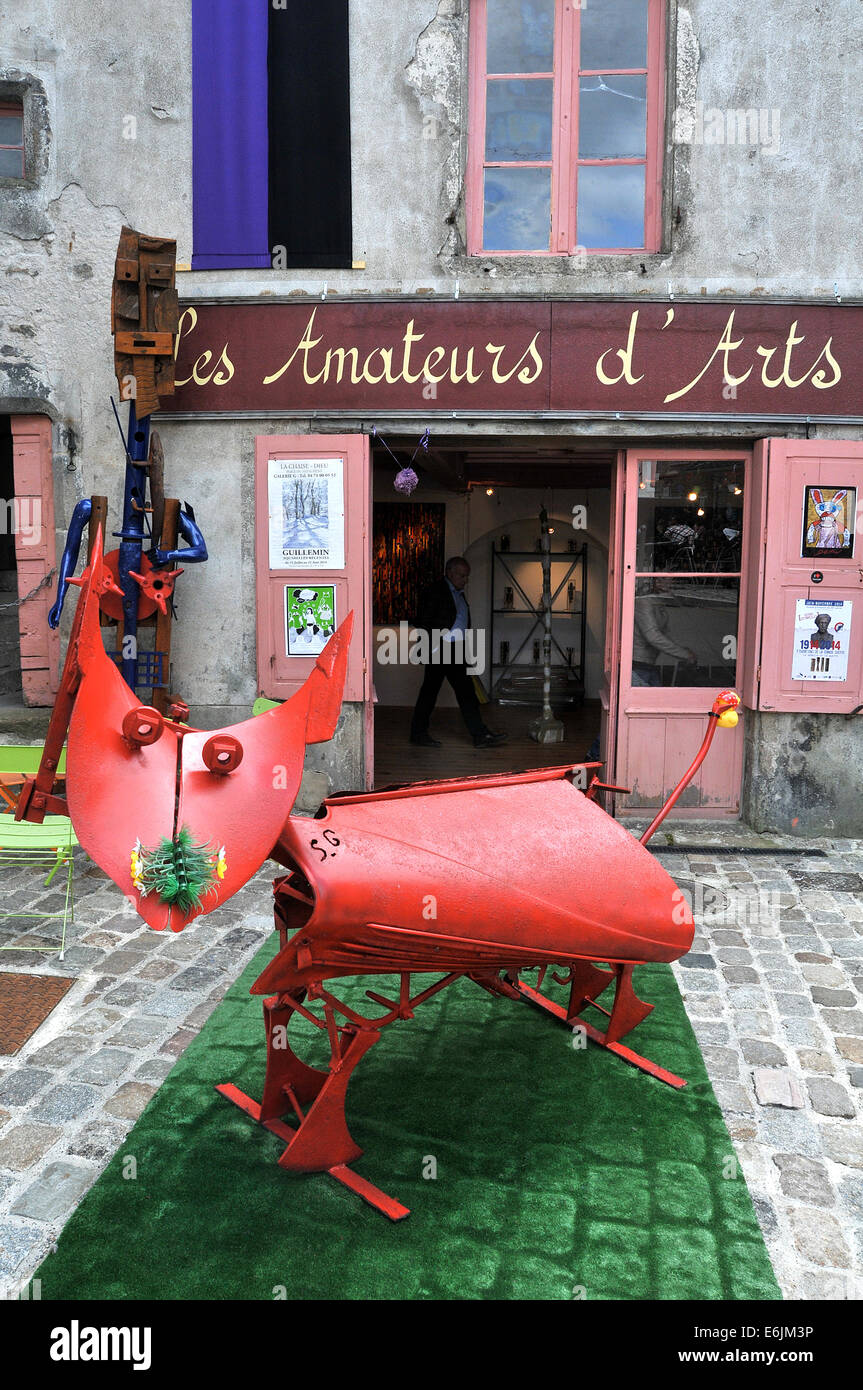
[[306, 499]]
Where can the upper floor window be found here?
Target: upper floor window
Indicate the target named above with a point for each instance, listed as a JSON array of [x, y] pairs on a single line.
[[11, 140], [565, 132]]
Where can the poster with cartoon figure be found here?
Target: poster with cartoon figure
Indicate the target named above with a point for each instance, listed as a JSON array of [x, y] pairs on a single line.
[[822, 630], [828, 523], [310, 618]]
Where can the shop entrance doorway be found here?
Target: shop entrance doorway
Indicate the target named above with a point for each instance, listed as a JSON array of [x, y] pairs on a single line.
[[482, 500]]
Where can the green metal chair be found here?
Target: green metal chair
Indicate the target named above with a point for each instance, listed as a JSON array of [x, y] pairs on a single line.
[[261, 705], [45, 847]]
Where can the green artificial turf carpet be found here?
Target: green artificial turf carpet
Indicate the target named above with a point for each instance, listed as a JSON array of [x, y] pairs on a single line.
[[561, 1172]]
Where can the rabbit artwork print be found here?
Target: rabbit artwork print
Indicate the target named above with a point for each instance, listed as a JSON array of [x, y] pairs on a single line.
[[829, 522]]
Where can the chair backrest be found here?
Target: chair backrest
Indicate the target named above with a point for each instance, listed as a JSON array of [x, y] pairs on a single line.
[[54, 832], [24, 758]]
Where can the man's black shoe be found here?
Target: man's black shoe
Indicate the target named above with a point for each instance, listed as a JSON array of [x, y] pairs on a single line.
[[488, 739], [426, 741]]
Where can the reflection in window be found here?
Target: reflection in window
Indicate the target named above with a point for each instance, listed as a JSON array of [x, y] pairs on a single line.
[[690, 516], [517, 208], [566, 89], [685, 631], [520, 35], [518, 120]]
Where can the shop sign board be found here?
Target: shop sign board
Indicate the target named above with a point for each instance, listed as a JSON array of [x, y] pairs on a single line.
[[522, 357]]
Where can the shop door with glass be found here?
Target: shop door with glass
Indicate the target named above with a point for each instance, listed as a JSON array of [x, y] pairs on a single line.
[[685, 518]]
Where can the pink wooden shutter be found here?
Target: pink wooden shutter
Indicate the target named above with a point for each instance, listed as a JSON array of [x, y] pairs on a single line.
[[35, 556], [280, 675], [794, 465]]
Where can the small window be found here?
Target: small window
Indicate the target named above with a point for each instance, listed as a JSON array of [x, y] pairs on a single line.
[[565, 136], [11, 140]]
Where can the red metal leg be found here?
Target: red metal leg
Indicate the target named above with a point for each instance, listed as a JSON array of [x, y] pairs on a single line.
[[626, 1011], [321, 1141], [285, 1070]]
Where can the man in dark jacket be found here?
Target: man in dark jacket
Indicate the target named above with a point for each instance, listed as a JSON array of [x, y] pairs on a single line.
[[443, 610]]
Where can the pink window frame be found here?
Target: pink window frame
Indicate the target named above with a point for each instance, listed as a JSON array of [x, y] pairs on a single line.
[[686, 703], [675, 699], [564, 155], [15, 108]]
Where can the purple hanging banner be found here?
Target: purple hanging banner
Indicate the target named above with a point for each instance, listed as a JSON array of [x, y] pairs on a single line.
[[230, 138]]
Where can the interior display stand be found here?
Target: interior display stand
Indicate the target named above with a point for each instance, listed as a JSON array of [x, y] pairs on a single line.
[[516, 631]]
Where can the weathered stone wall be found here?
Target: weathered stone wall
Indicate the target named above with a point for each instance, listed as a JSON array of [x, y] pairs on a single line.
[[803, 773]]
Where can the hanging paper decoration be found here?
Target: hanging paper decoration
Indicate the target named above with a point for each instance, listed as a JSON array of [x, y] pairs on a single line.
[[406, 479]]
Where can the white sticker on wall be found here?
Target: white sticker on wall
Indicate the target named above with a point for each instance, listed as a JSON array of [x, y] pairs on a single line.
[[822, 630]]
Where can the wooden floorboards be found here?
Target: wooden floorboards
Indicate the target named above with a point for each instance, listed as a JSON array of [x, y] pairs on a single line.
[[398, 760]]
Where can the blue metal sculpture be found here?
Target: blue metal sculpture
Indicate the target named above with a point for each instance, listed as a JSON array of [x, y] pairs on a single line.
[[144, 320]]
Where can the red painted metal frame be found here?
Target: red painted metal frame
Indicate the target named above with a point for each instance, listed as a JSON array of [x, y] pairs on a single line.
[[481, 878]]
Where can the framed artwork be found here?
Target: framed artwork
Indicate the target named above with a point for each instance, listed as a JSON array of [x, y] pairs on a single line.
[[407, 556], [828, 523]]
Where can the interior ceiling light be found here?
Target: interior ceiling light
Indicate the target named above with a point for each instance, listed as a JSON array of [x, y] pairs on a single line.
[[489, 492], [693, 496], [701, 511]]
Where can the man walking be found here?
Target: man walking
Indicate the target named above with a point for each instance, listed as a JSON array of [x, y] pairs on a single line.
[[444, 610]]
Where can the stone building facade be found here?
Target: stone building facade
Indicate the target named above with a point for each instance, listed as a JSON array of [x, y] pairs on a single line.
[[753, 209]]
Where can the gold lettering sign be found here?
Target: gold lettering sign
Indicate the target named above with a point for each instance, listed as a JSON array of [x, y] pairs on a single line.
[[642, 366]]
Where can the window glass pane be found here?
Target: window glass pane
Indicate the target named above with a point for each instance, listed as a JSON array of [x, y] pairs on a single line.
[[685, 631], [613, 34], [612, 117], [11, 130], [517, 213], [690, 515], [520, 35], [610, 205], [518, 120], [11, 164]]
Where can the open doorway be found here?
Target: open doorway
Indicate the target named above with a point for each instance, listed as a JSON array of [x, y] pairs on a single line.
[[482, 499]]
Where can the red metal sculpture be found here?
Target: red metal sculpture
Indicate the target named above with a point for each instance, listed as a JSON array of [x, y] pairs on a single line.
[[481, 878]]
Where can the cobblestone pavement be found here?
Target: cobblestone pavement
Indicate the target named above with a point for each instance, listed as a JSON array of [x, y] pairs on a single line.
[[71, 1094], [772, 985]]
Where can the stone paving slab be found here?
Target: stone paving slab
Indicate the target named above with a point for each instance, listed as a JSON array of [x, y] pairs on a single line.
[[772, 986]]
